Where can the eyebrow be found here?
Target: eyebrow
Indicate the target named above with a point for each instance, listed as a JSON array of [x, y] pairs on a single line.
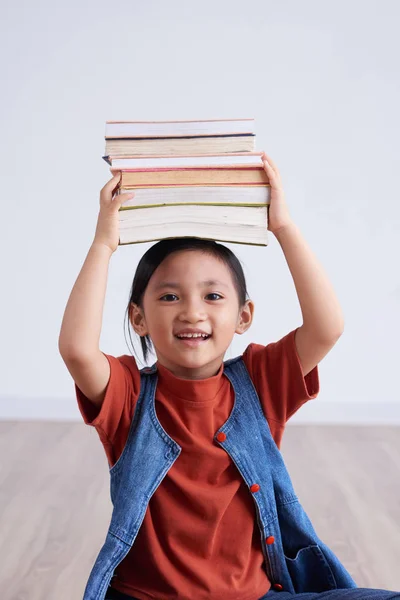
[[175, 285]]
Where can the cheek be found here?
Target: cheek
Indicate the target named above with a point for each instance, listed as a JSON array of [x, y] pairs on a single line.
[[226, 319], [159, 320]]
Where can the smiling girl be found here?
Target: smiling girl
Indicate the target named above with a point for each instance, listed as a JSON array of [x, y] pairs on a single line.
[[203, 506]]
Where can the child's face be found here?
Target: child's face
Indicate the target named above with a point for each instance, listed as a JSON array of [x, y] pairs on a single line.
[[179, 296]]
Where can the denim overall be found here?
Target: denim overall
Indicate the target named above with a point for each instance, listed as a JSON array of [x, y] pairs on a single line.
[[295, 559]]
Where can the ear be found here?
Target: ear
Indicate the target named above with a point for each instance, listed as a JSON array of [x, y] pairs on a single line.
[[137, 319], [245, 317]]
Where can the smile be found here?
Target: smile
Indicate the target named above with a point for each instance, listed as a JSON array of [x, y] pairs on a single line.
[[193, 341]]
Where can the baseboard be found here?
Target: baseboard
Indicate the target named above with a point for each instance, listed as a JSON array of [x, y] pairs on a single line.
[[313, 412]]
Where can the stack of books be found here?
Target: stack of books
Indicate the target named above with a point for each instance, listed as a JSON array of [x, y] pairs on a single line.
[[190, 178]]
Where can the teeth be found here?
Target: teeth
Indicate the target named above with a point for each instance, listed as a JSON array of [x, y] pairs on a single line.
[[193, 335]]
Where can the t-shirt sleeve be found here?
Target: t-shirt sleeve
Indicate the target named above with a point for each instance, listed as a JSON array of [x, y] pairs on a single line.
[[113, 419], [277, 375]]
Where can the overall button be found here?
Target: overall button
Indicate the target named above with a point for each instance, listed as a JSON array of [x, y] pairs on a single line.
[[278, 587], [270, 539], [221, 437], [255, 487]]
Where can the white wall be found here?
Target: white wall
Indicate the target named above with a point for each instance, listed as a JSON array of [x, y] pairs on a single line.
[[322, 81]]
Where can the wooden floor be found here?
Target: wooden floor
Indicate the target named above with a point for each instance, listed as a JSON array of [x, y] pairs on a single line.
[[55, 506]]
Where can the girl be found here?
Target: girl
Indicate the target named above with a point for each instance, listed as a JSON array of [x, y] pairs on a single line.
[[203, 506]]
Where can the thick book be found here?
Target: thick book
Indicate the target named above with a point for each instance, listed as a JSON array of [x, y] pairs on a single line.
[[254, 195], [118, 129], [134, 178], [231, 160], [179, 145], [232, 224]]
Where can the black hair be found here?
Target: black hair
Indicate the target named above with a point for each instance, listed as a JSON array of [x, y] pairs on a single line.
[[155, 256]]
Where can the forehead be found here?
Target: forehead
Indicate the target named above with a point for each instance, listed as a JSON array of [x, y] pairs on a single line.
[[191, 265]]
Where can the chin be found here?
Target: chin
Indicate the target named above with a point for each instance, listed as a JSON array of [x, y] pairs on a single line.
[[196, 362]]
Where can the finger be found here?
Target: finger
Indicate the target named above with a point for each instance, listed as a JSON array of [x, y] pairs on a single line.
[[269, 170], [122, 198], [125, 195], [112, 183], [272, 163]]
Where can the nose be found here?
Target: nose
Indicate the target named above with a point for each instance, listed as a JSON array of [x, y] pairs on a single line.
[[192, 311]]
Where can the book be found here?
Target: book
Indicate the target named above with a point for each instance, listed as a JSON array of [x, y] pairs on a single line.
[[134, 178], [254, 195], [121, 129], [184, 145], [231, 160], [235, 224]]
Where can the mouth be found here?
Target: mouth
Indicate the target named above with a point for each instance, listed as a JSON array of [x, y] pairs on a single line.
[[193, 342]]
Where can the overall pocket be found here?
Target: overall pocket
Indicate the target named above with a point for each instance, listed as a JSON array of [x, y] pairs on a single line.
[[310, 571]]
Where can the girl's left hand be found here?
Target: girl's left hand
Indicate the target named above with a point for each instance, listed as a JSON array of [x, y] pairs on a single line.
[[278, 212]]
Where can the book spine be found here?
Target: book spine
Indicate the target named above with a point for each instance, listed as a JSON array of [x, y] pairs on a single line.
[[191, 167], [186, 121], [174, 137]]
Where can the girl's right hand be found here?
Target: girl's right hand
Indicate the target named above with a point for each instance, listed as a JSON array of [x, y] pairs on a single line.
[[107, 229]]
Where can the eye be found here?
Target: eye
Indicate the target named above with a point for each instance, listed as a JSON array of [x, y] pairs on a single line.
[[167, 295], [174, 296]]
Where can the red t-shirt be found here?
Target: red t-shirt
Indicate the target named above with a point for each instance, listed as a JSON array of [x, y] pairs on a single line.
[[199, 538]]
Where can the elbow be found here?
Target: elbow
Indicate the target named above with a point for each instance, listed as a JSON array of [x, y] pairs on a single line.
[[341, 329], [337, 334], [65, 349]]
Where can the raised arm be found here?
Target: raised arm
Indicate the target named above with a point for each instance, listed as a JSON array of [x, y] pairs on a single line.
[[79, 337], [323, 321]]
